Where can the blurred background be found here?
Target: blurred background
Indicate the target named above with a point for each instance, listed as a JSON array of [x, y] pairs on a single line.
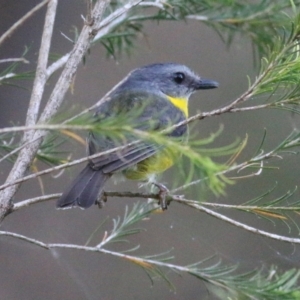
[[30, 272]]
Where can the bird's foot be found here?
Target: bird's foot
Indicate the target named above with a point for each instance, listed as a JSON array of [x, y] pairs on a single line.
[[102, 199], [163, 192]]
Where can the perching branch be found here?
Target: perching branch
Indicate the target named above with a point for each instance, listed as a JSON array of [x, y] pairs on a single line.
[[192, 203], [214, 274]]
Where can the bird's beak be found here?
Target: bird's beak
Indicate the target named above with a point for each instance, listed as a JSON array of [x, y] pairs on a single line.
[[205, 84]]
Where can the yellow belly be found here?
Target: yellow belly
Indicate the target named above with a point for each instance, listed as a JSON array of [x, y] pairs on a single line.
[[162, 160], [155, 164]]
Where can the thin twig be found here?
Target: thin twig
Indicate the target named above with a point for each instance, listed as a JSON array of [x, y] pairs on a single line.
[[35, 200], [7, 76], [123, 10], [143, 260], [44, 127], [135, 259], [21, 21], [24, 238], [228, 108], [63, 166], [255, 107], [105, 29], [132, 195], [15, 151], [197, 17], [64, 126], [225, 206], [57, 64], [157, 4], [240, 166], [84, 40], [241, 225], [8, 60]]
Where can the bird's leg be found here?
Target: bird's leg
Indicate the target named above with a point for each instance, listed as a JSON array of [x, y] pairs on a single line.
[[163, 192], [100, 201]]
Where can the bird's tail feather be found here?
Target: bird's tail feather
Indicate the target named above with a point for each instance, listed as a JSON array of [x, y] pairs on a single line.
[[84, 190]]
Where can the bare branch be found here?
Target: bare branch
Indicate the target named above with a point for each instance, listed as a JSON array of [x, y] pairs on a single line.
[[105, 27], [6, 76], [28, 153], [197, 18], [20, 59], [14, 151], [119, 12], [239, 224], [135, 259], [158, 4], [45, 127], [20, 22], [86, 37], [40, 75], [24, 238], [243, 165], [21, 164], [248, 207], [192, 203], [57, 64], [35, 200], [255, 107], [62, 166], [145, 260]]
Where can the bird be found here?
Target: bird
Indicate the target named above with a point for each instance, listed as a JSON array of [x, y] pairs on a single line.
[[150, 99]]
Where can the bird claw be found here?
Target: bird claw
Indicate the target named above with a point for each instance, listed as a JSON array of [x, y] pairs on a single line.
[[163, 192], [102, 198]]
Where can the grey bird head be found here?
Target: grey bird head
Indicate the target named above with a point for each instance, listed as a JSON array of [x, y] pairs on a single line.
[[171, 79]]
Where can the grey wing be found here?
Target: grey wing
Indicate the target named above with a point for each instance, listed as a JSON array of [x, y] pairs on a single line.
[[127, 156], [146, 112]]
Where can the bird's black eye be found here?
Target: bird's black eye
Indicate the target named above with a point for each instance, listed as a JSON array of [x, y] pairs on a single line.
[[179, 77]]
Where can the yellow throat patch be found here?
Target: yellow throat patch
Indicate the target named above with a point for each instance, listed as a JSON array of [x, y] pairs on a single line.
[[180, 103]]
